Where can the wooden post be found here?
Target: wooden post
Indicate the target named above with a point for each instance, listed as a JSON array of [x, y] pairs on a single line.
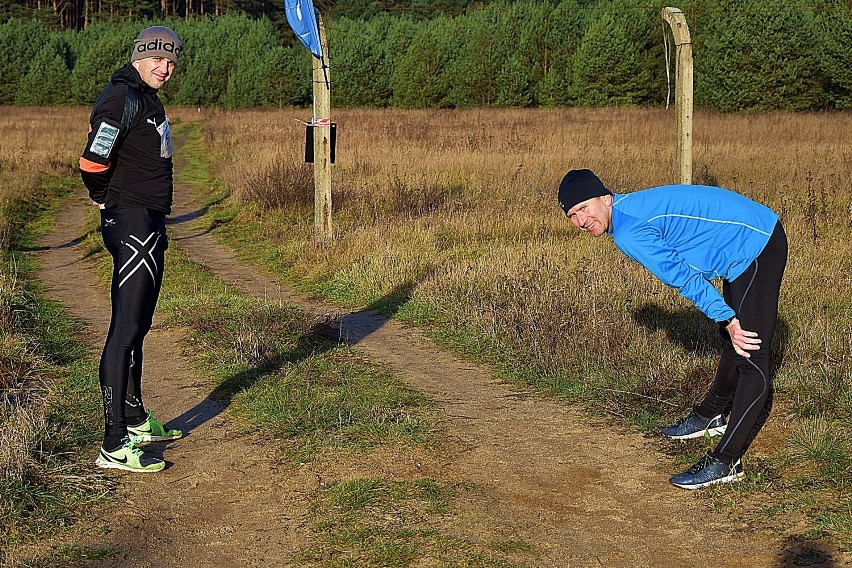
[[683, 93], [322, 141]]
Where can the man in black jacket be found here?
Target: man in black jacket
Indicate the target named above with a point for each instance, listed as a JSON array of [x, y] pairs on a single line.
[[127, 168]]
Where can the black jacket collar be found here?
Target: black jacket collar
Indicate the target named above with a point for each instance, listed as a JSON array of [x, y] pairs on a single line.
[[128, 75]]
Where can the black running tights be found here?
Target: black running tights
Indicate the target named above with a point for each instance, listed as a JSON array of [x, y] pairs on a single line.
[[136, 239], [744, 383]]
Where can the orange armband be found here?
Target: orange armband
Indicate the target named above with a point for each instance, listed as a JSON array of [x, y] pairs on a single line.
[[92, 167]]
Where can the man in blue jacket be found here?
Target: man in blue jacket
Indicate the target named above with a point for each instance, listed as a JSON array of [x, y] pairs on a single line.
[[687, 236]]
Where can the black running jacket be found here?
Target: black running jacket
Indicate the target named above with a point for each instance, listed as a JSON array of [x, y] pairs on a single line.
[[128, 157]]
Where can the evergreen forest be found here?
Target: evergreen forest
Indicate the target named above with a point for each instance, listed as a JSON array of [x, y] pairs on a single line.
[[750, 55]]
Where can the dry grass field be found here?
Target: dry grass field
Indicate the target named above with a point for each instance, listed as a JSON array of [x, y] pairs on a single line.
[[34, 143], [459, 209], [449, 218]]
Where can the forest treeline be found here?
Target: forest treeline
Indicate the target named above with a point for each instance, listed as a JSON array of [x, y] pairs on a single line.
[[749, 55], [78, 14]]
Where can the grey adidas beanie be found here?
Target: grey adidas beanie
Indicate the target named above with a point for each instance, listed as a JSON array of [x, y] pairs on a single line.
[[157, 41]]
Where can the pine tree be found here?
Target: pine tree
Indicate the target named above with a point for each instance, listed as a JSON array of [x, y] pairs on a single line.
[[478, 51], [49, 78], [757, 56], [291, 77], [363, 53], [110, 50], [832, 33], [20, 42], [608, 69], [418, 79], [212, 47], [561, 34], [251, 73]]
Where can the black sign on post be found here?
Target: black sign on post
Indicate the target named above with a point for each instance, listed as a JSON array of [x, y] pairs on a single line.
[[309, 142]]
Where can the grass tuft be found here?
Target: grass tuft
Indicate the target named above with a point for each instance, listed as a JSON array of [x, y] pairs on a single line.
[[278, 185], [380, 522], [822, 448]]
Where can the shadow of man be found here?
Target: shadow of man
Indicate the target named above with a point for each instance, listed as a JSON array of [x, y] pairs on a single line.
[[354, 327], [322, 337], [797, 551], [220, 398]]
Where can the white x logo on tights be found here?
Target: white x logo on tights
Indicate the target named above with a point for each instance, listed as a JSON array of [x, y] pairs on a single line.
[[143, 252]]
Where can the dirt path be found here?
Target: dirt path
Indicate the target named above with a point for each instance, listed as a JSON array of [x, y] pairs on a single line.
[[581, 493]]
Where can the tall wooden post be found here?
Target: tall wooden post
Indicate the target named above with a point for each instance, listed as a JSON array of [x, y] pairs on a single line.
[[683, 93], [322, 141]]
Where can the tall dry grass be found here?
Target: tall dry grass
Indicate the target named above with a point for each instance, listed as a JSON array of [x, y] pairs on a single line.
[[458, 208], [34, 143]]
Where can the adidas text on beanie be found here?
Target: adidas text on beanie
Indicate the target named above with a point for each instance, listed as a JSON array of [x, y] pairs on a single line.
[[157, 41]]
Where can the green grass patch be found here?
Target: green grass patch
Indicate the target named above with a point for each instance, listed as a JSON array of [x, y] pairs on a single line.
[[193, 168], [381, 523], [511, 546], [73, 555], [279, 375], [837, 522], [329, 400], [27, 218]]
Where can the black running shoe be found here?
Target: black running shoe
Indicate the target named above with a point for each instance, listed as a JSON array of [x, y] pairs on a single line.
[[696, 426], [708, 471]]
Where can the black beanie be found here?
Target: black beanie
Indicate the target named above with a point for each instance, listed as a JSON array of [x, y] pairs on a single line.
[[578, 186]]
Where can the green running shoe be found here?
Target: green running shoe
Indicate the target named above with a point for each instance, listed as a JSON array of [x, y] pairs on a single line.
[[130, 458], [151, 431]]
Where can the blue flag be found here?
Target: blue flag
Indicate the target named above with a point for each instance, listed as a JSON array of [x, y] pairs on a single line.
[[302, 18]]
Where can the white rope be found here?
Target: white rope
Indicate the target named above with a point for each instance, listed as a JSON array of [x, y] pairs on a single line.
[[668, 64]]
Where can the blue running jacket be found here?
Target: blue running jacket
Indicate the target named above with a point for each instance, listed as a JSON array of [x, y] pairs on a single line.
[[689, 235]]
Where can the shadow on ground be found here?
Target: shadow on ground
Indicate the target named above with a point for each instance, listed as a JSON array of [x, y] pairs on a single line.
[[354, 327], [798, 551], [220, 398], [351, 329], [692, 330]]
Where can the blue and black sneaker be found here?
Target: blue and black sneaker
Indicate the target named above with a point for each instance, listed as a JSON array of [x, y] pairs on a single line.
[[696, 426], [708, 471]]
